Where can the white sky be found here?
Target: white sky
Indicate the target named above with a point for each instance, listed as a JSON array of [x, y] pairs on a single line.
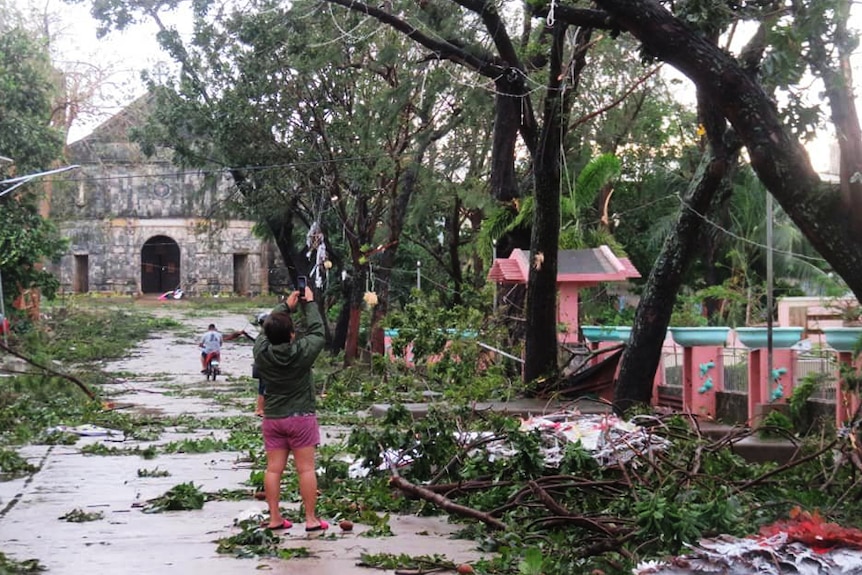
[[111, 65], [121, 56]]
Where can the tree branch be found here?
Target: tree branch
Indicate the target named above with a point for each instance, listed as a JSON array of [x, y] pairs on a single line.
[[445, 503], [71, 378], [443, 49]]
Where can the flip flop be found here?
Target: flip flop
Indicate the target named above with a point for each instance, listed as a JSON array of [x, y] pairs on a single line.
[[286, 524], [323, 526]]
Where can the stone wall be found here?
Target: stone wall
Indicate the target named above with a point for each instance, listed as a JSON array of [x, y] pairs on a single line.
[[113, 250], [118, 180]]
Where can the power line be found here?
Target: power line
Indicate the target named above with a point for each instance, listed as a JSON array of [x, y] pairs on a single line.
[[224, 170], [736, 236]]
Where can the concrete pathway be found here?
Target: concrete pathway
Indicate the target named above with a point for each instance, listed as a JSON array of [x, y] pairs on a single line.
[[129, 541]]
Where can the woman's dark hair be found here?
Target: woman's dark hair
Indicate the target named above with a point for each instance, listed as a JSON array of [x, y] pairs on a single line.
[[278, 327]]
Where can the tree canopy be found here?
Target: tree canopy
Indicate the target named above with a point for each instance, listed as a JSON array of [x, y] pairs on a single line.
[[289, 99], [28, 90]]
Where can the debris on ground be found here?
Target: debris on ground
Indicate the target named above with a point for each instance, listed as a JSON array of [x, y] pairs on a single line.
[[88, 430], [610, 440], [805, 544]]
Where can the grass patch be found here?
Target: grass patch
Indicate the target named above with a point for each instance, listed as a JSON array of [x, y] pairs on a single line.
[[69, 336], [78, 335]]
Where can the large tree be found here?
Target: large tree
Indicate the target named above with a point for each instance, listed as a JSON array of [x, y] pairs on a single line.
[[322, 130], [825, 214], [530, 68], [28, 91], [828, 215]]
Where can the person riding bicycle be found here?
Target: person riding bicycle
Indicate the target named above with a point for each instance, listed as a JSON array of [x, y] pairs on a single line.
[[210, 342]]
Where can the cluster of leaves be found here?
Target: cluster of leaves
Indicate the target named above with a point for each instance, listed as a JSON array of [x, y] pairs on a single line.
[[255, 541], [403, 561], [12, 567], [201, 445], [802, 392], [775, 425], [13, 465], [155, 472], [149, 452], [446, 344], [182, 497], [56, 437], [81, 516]]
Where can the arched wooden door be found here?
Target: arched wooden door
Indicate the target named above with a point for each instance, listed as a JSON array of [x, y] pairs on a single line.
[[160, 265]]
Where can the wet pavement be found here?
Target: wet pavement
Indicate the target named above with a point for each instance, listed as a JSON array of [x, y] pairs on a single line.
[[127, 540]]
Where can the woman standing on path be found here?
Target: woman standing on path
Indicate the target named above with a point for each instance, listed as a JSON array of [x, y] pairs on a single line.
[[284, 361]]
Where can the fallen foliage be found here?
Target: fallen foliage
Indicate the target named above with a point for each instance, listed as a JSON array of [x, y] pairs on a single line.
[[579, 515]]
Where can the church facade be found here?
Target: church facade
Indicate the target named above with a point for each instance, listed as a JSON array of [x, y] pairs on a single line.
[[140, 225]]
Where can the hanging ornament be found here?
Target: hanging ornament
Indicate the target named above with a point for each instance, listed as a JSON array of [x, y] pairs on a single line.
[[316, 252], [370, 298]]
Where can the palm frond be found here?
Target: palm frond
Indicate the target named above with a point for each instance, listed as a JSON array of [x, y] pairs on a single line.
[[493, 228], [524, 219], [661, 228], [593, 177], [604, 237]]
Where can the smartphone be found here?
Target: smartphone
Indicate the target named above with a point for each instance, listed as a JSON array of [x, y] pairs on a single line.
[[301, 284]]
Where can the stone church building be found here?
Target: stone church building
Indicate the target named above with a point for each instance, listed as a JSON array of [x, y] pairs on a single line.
[[141, 225]]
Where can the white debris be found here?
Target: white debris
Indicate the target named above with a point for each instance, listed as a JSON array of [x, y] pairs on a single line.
[[610, 440], [249, 514], [391, 459], [88, 430], [773, 555]]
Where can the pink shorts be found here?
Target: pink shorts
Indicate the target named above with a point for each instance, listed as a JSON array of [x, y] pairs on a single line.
[[291, 432]]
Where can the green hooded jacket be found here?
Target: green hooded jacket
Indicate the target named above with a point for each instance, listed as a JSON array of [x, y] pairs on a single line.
[[286, 367]]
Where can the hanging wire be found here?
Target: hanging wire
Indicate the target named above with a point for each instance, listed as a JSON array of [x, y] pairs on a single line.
[[348, 35], [719, 227]]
